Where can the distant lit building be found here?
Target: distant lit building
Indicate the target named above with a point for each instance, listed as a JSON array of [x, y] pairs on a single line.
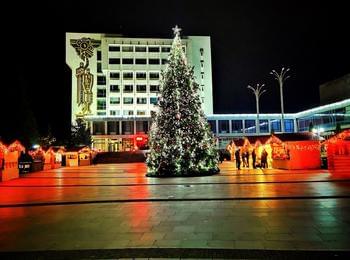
[[115, 83], [323, 119]]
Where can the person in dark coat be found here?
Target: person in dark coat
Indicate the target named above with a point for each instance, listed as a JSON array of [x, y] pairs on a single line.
[[254, 158], [264, 159], [238, 158]]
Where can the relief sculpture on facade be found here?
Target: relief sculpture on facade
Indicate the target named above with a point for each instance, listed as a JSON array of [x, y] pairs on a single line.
[[85, 79]]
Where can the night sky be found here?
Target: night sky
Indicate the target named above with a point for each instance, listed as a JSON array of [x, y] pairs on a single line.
[[249, 39]]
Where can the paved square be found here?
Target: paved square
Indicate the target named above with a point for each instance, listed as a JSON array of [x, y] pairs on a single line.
[[115, 206]]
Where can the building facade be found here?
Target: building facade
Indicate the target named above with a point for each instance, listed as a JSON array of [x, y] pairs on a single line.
[[115, 83], [323, 120]]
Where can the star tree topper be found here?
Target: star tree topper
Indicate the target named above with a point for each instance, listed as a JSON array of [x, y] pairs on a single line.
[[176, 30]]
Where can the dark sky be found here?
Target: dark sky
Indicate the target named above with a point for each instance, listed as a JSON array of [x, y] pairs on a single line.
[[249, 39]]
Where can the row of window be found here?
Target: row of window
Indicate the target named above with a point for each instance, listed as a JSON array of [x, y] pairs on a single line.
[[125, 113], [327, 119], [101, 104], [101, 92], [101, 79], [250, 126], [130, 61], [130, 48], [138, 75], [114, 127]]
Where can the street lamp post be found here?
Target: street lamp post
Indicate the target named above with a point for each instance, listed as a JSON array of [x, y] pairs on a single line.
[[281, 77], [258, 91]]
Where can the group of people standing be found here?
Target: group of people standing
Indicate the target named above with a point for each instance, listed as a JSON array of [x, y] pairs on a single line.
[[242, 155]]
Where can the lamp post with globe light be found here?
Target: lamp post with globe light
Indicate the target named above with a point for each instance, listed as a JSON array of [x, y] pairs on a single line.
[[258, 91], [281, 77]]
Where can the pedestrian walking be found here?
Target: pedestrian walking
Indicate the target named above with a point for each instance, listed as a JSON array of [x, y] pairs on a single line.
[[238, 158]]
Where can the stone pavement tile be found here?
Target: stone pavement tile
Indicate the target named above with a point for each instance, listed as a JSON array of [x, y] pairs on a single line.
[[336, 237], [141, 243], [310, 245], [338, 245], [128, 236], [167, 243], [305, 237], [250, 236], [185, 229], [332, 230], [309, 230], [278, 237], [222, 244], [153, 235], [205, 228], [249, 244], [92, 244], [160, 228], [278, 245], [272, 230], [112, 244], [163, 258], [199, 236], [193, 244], [224, 236], [176, 235]]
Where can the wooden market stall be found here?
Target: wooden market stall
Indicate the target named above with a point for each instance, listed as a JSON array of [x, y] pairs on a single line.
[[78, 156], [38, 156], [295, 151], [58, 152], [9, 162], [338, 151]]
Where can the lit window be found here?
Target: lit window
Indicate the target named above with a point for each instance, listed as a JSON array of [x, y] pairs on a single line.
[[114, 100], [153, 49], [140, 61], [153, 100], [127, 49], [153, 61], [140, 48], [141, 88], [140, 75], [165, 49], [154, 88], [128, 100], [141, 112], [128, 61], [141, 100], [128, 75], [101, 104], [114, 88], [114, 48], [154, 75], [101, 93], [128, 88], [114, 75]]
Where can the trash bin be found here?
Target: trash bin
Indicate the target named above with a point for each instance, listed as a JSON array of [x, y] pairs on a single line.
[[24, 166]]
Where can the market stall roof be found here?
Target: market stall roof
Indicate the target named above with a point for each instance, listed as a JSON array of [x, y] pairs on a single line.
[[3, 147], [56, 149], [344, 135], [77, 148], [16, 146]]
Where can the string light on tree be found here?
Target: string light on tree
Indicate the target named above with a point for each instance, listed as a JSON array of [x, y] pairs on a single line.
[[181, 142]]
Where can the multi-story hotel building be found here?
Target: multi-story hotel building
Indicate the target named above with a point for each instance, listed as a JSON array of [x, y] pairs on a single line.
[[115, 83]]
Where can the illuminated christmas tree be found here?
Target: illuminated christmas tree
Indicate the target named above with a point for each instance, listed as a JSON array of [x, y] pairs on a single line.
[[181, 142]]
